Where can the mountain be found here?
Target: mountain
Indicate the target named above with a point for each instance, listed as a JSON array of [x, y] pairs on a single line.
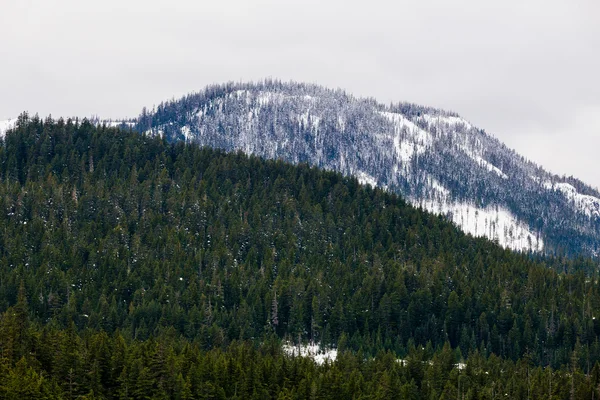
[[135, 268], [436, 159]]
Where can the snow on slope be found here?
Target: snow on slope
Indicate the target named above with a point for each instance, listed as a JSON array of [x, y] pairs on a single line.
[[433, 158], [441, 120], [409, 139], [186, 132], [495, 223], [313, 351], [240, 118], [585, 204], [474, 149], [492, 168], [364, 178]]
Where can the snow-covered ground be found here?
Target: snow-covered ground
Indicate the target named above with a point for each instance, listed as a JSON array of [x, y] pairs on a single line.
[[322, 355], [313, 351], [364, 178], [495, 223]]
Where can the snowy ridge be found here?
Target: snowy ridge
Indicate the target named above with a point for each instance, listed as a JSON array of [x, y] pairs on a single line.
[[434, 158]]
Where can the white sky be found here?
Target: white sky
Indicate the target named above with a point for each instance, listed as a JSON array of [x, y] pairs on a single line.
[[526, 71]]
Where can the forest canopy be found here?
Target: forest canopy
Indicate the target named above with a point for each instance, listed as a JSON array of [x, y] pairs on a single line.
[[135, 268]]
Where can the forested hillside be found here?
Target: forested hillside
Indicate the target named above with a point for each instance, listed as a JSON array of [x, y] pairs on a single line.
[[134, 268]]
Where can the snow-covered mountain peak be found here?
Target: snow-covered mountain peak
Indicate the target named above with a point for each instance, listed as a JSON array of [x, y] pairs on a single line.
[[434, 158]]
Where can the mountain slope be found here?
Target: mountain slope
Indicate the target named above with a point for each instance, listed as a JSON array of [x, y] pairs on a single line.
[[129, 268], [113, 230], [436, 159]]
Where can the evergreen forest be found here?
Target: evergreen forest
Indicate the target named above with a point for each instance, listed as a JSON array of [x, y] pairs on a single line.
[[134, 268]]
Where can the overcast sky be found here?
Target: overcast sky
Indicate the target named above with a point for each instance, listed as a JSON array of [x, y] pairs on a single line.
[[526, 71]]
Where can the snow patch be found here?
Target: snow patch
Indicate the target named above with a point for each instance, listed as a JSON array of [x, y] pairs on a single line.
[[187, 133], [309, 120], [364, 178], [155, 132], [116, 124], [494, 222], [313, 351]]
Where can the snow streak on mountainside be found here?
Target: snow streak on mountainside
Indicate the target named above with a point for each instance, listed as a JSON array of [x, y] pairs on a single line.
[[589, 205], [435, 159], [495, 223]]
